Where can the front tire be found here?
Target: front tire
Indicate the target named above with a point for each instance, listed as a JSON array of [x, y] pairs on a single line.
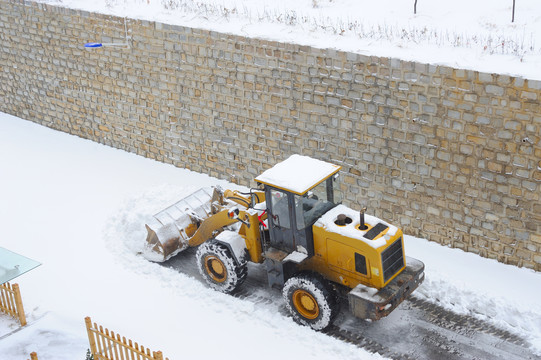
[[310, 300], [218, 267]]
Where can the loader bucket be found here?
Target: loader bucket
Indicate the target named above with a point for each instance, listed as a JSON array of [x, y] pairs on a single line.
[[171, 229]]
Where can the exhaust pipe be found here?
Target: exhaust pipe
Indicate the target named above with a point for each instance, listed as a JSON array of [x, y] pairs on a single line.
[[362, 225]]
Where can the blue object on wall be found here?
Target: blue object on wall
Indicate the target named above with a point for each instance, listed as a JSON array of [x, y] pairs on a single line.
[[93, 45]]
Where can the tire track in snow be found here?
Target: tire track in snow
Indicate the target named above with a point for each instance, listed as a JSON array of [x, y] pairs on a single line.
[[417, 329]]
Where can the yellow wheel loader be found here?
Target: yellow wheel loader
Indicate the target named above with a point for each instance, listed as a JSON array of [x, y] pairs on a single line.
[[313, 248]]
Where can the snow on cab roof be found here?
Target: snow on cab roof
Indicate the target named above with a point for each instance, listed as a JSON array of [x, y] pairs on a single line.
[[297, 174]]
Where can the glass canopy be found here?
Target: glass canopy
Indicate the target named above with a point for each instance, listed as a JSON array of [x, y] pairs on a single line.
[[13, 265]]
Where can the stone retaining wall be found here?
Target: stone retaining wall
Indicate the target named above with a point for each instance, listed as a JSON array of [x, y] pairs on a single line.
[[450, 155]]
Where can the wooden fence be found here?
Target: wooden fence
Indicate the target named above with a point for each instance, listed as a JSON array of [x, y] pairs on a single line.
[[33, 356], [11, 302], [106, 345]]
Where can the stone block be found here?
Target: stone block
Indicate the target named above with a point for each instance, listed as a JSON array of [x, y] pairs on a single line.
[[534, 84], [495, 90], [523, 173], [528, 95], [505, 135], [375, 130], [443, 155], [346, 103], [453, 114], [484, 77], [314, 108]]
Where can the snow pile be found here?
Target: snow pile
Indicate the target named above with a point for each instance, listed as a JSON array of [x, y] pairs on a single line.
[[476, 35]]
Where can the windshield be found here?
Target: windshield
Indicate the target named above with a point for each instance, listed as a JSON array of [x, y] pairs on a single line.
[[316, 202]]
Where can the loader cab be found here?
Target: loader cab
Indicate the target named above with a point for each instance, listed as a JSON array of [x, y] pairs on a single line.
[[299, 191]]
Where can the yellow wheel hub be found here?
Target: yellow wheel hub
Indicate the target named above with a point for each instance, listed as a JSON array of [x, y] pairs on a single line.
[[305, 304], [215, 268]]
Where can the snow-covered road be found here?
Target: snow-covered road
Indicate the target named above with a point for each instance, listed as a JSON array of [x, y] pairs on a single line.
[[79, 208]]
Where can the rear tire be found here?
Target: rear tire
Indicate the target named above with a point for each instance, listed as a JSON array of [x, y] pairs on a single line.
[[219, 268], [310, 300]]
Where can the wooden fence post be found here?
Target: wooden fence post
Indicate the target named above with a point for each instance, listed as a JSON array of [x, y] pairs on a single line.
[[33, 356], [91, 340], [19, 304], [158, 355]]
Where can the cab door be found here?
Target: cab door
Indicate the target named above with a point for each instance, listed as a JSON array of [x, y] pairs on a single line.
[[281, 222]]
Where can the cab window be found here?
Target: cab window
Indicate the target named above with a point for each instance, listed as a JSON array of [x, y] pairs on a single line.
[[280, 209], [312, 205]]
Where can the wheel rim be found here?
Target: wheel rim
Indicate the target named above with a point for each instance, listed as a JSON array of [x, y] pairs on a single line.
[[215, 268], [305, 304]]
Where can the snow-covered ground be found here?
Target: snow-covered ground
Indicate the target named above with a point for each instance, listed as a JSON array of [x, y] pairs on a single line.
[[476, 35], [79, 208]]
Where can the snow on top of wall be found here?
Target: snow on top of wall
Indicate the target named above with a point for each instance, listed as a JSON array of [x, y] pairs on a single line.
[[297, 173], [474, 35], [350, 230]]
